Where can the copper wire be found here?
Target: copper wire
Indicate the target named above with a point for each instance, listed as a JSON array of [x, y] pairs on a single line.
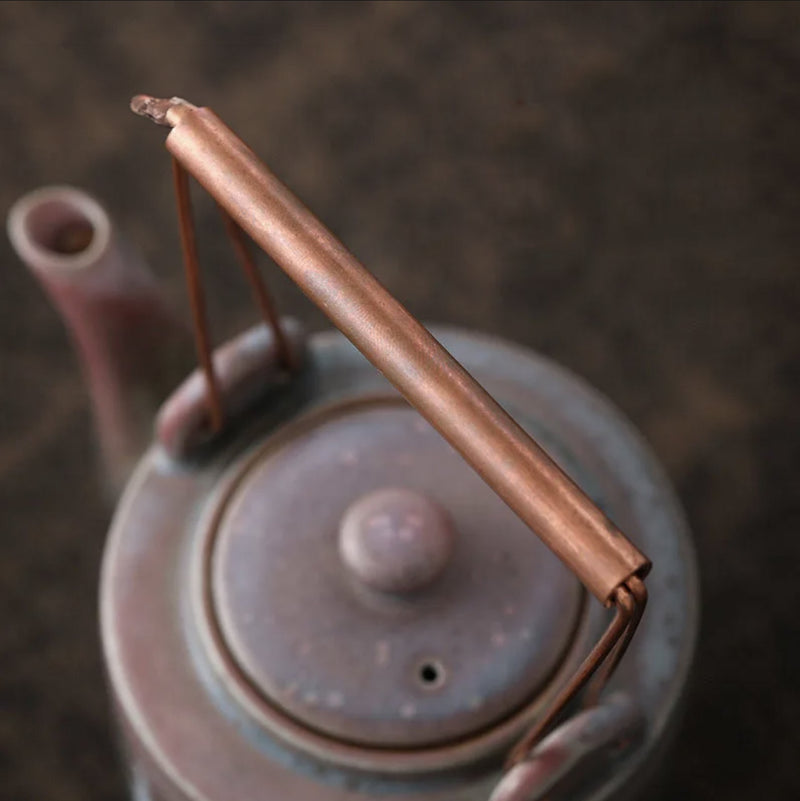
[[625, 610], [259, 287], [196, 296], [639, 592]]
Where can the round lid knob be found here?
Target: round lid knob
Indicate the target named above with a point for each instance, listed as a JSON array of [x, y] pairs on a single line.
[[396, 540]]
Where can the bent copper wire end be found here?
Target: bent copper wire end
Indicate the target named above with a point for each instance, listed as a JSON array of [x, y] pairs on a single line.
[[156, 108], [630, 601]]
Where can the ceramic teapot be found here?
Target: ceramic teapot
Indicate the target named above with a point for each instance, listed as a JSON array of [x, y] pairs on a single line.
[[329, 581]]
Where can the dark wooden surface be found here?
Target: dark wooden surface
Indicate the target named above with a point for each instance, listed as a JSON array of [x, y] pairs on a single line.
[[613, 185]]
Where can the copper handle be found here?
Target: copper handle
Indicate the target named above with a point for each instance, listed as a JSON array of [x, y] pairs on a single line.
[[510, 462]]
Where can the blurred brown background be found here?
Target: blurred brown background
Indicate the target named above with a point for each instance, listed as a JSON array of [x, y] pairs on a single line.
[[613, 185]]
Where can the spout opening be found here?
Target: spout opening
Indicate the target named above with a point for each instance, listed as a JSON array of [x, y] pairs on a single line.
[[59, 230]]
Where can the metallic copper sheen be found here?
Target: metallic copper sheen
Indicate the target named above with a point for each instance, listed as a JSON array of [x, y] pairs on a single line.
[[524, 476]]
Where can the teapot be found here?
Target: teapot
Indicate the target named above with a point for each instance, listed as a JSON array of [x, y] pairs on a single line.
[[330, 582]]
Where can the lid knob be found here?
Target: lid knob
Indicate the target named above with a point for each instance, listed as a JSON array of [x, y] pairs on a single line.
[[396, 540]]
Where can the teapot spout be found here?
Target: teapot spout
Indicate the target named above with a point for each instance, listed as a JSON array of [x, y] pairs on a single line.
[[132, 346]]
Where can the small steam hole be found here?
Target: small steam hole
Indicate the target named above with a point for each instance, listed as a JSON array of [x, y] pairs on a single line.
[[431, 674]]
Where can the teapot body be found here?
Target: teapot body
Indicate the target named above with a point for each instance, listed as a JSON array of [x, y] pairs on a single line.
[[246, 660]]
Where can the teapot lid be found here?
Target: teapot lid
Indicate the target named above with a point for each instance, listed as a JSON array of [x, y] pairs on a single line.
[[366, 581]]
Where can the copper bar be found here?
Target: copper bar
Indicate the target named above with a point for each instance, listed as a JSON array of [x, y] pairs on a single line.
[[197, 300], [521, 473]]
